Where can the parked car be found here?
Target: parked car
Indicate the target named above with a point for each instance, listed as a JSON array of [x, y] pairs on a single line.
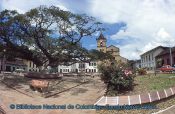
[[19, 71], [167, 68]]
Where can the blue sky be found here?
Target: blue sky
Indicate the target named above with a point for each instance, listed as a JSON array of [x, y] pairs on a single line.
[[135, 26]]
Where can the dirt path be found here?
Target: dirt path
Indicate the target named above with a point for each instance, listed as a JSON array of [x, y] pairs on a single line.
[[84, 94]]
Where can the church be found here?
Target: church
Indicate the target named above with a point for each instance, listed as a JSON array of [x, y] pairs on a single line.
[[115, 51]]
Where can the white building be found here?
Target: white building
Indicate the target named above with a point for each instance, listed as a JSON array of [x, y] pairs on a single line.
[[79, 67], [148, 58], [31, 66], [137, 64]]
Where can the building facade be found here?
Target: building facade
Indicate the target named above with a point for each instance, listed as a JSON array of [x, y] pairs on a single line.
[[12, 65], [115, 51], [17, 63], [31, 67], [90, 67], [165, 58], [137, 64], [148, 59]]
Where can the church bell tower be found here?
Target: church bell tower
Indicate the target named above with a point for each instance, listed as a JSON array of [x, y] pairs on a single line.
[[101, 43]]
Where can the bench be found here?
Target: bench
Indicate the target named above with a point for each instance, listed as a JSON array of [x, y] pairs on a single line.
[[39, 85]]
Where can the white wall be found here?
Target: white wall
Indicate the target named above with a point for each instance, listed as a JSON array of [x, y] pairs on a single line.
[[151, 64], [92, 67]]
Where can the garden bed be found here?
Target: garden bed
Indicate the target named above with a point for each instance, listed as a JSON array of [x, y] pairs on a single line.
[[56, 86], [39, 75]]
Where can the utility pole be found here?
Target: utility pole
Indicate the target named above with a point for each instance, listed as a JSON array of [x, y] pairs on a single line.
[[3, 62], [170, 57]]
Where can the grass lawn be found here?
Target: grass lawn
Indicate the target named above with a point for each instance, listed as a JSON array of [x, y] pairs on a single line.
[[150, 83], [144, 84]]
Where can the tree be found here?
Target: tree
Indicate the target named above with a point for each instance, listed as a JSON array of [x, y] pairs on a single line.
[[11, 42], [46, 35], [100, 56]]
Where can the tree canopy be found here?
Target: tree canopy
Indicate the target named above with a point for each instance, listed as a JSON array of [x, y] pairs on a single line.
[[98, 55], [46, 35]]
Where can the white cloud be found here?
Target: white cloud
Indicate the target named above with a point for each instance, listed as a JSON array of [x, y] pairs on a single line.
[[149, 21], [163, 34], [133, 52], [24, 5], [62, 7]]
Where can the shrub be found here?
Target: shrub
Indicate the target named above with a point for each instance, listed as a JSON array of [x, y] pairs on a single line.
[[141, 71], [116, 77]]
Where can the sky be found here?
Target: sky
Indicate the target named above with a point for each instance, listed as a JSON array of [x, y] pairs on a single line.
[[135, 26]]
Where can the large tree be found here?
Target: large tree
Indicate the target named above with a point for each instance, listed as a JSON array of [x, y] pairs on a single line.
[[46, 35]]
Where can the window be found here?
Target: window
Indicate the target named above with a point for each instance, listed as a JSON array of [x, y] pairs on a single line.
[[13, 68], [168, 61], [8, 68], [95, 63], [101, 43], [30, 64], [94, 70], [81, 65], [144, 59], [92, 64], [112, 50], [162, 61]]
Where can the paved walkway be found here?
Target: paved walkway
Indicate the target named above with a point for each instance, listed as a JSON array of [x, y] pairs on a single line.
[[84, 94], [137, 99]]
